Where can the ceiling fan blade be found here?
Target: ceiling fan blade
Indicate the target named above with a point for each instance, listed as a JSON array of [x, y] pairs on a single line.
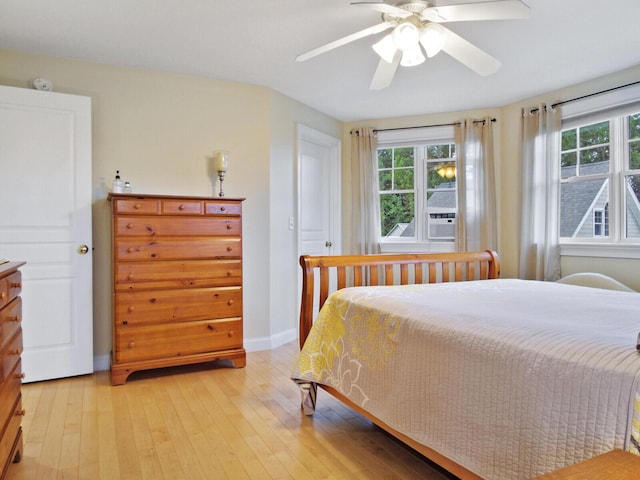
[[385, 72], [469, 55], [384, 8], [381, 27], [498, 10]]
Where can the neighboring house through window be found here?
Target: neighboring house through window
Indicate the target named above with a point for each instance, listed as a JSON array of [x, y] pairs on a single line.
[[417, 186], [600, 180]]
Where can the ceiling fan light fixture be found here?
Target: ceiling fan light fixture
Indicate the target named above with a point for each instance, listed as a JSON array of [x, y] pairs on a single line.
[[432, 38], [406, 36], [412, 56], [386, 48]]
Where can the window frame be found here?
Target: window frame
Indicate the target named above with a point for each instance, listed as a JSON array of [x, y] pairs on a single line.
[[419, 139], [614, 105]]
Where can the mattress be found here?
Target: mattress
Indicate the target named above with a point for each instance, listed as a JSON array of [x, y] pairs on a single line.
[[508, 378]]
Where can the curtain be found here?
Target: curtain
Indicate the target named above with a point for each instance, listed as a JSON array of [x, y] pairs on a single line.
[[365, 201], [476, 223], [539, 234]]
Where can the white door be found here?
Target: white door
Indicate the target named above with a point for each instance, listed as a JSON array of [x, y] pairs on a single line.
[[45, 220], [318, 193], [319, 196]]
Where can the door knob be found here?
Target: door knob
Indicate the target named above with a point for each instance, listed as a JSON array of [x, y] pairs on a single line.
[[83, 249], [328, 244]]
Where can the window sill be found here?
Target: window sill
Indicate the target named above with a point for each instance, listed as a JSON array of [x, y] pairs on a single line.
[[604, 250]]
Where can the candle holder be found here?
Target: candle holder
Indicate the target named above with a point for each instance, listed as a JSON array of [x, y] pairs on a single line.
[[221, 166], [221, 174]]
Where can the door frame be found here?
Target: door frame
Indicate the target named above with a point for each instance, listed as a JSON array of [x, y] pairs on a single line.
[[308, 134]]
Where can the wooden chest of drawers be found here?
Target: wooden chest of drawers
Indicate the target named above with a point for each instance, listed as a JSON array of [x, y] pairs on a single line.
[[177, 282], [11, 411]]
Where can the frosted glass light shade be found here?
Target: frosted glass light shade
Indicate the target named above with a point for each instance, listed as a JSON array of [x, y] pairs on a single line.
[[412, 56], [406, 36], [432, 38], [386, 48]]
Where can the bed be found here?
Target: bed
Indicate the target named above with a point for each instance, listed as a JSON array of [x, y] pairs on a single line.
[[493, 378]]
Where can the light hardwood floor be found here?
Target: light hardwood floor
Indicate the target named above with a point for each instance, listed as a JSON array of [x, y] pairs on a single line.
[[203, 422]]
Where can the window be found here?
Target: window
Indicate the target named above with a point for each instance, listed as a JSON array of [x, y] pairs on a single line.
[[418, 198], [600, 180]]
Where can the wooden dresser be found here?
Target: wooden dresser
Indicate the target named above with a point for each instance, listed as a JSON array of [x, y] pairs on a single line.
[[11, 411], [177, 282]]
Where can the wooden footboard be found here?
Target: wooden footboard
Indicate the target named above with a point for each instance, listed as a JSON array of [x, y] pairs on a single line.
[[336, 272], [340, 271]]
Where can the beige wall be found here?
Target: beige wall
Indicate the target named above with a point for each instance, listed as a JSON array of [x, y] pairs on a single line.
[[508, 157], [157, 128]]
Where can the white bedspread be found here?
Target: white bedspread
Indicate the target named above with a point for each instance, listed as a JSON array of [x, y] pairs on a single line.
[[508, 378]]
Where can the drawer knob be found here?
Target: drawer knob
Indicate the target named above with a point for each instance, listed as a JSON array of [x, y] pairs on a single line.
[[130, 309], [229, 302], [223, 209], [130, 249], [3, 295], [231, 333], [129, 226], [15, 285], [130, 276], [229, 273], [14, 351], [229, 226], [14, 318], [229, 248], [20, 375], [132, 344], [21, 413], [181, 207], [137, 206]]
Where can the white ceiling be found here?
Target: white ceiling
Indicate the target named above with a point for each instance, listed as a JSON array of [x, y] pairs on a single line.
[[256, 41]]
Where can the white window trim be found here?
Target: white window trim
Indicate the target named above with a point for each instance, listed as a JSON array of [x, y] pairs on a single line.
[[619, 102], [415, 137]]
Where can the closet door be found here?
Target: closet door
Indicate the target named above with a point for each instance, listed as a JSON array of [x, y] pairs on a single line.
[[45, 220]]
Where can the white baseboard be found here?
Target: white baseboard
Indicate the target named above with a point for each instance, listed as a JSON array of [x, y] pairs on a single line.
[[103, 362]]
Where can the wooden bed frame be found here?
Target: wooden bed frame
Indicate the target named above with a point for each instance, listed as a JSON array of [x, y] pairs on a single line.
[[336, 272]]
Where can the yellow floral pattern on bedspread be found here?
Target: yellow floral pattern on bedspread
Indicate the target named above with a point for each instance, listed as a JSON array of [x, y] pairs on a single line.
[[324, 359]]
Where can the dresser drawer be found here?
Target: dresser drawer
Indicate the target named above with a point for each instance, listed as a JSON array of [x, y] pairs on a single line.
[[10, 394], [222, 208], [176, 226], [171, 248], [142, 307], [11, 430], [137, 206], [10, 318], [10, 287], [11, 351], [176, 340], [182, 207], [177, 274]]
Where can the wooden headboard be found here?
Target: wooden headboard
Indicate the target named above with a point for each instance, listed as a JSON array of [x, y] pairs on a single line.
[[340, 271]]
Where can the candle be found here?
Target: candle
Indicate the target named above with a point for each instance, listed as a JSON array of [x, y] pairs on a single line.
[[222, 161]]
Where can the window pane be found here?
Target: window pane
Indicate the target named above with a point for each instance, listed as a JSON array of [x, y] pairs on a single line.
[[578, 201], [595, 134], [569, 139], [634, 126], [403, 157], [403, 179], [568, 162], [632, 211], [634, 155], [385, 158], [439, 151], [595, 155], [385, 180], [397, 215]]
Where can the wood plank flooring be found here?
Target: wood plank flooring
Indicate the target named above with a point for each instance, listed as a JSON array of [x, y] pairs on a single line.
[[203, 422]]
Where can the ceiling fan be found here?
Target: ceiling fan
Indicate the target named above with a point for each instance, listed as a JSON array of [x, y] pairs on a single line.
[[417, 29]]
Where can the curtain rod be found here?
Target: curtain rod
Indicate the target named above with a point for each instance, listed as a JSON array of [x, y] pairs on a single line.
[[426, 126], [553, 105]]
